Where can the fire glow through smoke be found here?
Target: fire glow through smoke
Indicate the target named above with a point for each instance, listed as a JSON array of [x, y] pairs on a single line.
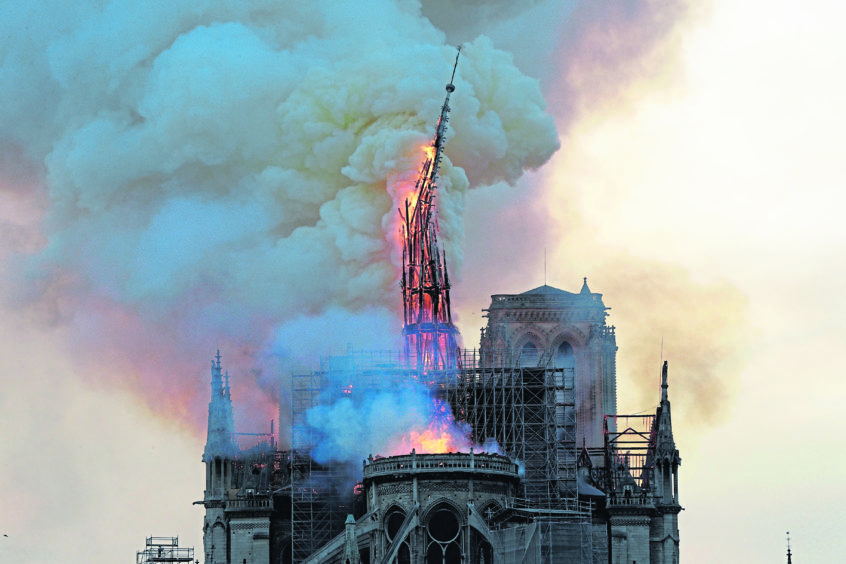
[[443, 435], [394, 419]]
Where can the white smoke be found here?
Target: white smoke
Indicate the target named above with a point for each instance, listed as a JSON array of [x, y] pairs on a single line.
[[222, 168]]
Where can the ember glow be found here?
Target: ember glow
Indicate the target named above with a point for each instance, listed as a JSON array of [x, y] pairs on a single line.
[[433, 441]]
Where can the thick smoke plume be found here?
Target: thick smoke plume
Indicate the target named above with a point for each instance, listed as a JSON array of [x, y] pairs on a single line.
[[208, 173], [616, 61], [701, 336]]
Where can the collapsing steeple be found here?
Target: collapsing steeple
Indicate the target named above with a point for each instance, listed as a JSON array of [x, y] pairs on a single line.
[[221, 428], [431, 341]]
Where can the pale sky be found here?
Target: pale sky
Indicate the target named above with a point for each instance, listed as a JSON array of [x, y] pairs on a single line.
[[699, 187]]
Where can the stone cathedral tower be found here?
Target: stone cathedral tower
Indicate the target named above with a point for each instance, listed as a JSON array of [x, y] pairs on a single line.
[[548, 327], [239, 508]]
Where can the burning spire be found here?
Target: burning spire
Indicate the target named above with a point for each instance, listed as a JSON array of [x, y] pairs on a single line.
[[221, 428], [431, 342]]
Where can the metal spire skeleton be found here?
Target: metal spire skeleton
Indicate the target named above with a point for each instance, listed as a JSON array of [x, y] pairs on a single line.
[[431, 342]]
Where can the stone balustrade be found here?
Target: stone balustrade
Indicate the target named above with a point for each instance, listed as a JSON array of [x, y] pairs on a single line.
[[249, 503], [438, 463]]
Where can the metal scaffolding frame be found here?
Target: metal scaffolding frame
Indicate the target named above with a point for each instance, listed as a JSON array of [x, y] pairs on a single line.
[[318, 508], [311, 515], [164, 549], [529, 410]]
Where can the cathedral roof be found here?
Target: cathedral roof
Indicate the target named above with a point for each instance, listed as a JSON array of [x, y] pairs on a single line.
[[547, 290], [586, 489], [550, 297]]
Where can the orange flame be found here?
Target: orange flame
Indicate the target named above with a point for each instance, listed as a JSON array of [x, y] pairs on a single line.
[[430, 152], [441, 436], [431, 441], [402, 187]]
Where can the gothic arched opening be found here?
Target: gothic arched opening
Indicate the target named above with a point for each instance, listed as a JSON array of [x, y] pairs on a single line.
[[393, 522], [529, 355], [564, 356], [444, 532]]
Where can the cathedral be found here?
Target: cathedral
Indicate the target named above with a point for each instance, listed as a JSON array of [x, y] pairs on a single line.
[[550, 471], [577, 482]]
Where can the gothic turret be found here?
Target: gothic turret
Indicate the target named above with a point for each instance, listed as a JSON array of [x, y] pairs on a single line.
[[218, 455], [665, 527], [665, 445], [221, 428]]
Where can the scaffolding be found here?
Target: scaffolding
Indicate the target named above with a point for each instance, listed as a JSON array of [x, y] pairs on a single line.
[[311, 516], [318, 506], [164, 549], [528, 410]]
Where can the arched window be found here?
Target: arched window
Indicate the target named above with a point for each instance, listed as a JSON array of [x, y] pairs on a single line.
[[444, 532], [529, 355], [564, 357], [485, 553], [404, 554], [393, 523], [287, 557]]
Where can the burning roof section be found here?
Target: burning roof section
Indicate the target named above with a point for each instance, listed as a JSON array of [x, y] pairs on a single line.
[[431, 342]]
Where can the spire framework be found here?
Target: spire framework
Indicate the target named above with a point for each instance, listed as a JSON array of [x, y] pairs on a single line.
[[431, 339]]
